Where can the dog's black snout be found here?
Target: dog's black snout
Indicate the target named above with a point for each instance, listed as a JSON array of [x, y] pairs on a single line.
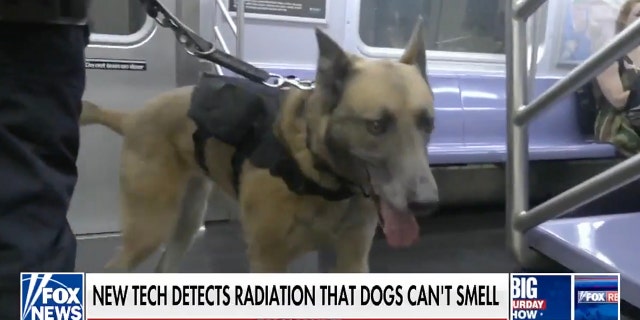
[[422, 207]]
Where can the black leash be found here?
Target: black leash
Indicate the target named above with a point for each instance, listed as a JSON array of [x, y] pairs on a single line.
[[201, 48], [198, 47]]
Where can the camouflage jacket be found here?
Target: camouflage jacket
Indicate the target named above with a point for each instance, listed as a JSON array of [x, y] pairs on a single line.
[[612, 124]]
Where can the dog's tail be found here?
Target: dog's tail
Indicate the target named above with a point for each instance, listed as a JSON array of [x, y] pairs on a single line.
[[93, 114]]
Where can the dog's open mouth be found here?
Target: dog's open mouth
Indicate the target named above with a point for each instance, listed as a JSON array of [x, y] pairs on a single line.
[[400, 227]]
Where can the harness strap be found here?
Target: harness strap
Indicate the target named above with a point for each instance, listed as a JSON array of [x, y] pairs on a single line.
[[285, 167], [199, 141]]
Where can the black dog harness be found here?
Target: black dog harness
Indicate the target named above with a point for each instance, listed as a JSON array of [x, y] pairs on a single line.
[[241, 113]]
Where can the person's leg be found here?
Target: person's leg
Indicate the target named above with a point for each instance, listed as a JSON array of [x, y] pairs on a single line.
[[42, 80]]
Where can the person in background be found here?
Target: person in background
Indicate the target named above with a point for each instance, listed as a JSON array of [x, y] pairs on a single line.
[[42, 80], [618, 93]]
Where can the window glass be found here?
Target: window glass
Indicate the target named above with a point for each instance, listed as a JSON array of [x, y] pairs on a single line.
[[587, 26], [118, 17], [475, 26]]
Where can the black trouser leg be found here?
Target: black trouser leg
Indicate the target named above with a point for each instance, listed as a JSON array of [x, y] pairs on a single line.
[[42, 80]]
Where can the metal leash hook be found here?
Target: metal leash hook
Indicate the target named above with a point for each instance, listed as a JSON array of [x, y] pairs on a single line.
[[203, 49], [280, 81], [193, 43]]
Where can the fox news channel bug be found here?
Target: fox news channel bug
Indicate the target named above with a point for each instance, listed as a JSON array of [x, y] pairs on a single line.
[[597, 297], [49, 296], [565, 296]]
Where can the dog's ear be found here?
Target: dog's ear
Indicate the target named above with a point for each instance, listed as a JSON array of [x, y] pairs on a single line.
[[334, 65], [415, 52]]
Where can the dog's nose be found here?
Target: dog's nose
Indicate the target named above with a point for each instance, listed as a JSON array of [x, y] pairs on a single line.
[[422, 206]]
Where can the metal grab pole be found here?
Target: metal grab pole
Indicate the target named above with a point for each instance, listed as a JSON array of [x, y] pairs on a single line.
[[599, 185], [240, 30], [621, 45], [532, 62], [227, 17], [526, 8], [517, 136]]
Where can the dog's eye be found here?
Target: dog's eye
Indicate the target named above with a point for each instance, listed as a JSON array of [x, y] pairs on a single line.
[[377, 127]]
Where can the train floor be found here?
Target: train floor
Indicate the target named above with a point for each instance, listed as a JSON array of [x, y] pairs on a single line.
[[455, 240]]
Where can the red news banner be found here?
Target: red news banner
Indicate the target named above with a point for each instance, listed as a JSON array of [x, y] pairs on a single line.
[[297, 296]]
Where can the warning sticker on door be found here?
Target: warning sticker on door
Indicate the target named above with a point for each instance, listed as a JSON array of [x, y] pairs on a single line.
[[293, 10], [122, 65]]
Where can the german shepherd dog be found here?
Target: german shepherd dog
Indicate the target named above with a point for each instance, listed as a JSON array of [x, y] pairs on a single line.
[[368, 120]]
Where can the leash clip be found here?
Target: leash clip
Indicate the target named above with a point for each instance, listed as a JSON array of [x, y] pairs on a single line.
[[278, 81]]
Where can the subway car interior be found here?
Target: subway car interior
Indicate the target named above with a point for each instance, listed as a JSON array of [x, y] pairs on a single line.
[[524, 183]]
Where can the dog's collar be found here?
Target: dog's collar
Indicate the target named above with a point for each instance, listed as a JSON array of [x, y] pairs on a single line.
[[288, 170], [272, 154], [322, 166]]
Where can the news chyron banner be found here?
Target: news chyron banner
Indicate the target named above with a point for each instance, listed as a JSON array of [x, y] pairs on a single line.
[[94, 296], [565, 296], [91, 296]]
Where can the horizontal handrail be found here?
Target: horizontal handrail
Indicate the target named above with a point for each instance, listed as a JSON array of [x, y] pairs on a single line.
[[594, 65], [597, 186], [526, 8]]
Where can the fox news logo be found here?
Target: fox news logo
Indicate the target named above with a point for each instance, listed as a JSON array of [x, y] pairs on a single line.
[[52, 296], [524, 298], [597, 296]]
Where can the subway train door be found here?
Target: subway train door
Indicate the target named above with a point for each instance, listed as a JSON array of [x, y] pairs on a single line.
[[129, 60]]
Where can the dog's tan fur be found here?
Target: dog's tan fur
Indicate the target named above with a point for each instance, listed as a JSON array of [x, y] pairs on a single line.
[[163, 190]]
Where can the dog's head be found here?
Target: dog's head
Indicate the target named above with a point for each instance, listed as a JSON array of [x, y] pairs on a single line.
[[371, 121]]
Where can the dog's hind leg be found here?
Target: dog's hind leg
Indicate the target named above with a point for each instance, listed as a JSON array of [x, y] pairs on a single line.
[[151, 191], [194, 205], [141, 237]]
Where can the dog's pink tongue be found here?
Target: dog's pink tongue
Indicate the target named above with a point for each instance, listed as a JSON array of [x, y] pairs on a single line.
[[400, 228]]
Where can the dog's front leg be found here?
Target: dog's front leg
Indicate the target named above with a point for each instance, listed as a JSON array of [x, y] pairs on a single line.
[[267, 267], [266, 259], [353, 242], [353, 247]]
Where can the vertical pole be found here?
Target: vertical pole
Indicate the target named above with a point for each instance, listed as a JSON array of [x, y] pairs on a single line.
[[214, 37], [214, 18], [532, 62], [240, 29], [517, 136]]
